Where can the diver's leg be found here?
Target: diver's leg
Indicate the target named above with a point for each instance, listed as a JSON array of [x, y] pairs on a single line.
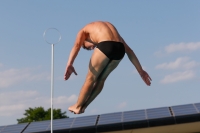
[[97, 64], [98, 85]]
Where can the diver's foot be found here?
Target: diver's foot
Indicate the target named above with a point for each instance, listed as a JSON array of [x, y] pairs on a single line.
[[74, 109]]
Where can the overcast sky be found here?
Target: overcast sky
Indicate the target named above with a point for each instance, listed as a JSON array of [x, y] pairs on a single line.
[[165, 35]]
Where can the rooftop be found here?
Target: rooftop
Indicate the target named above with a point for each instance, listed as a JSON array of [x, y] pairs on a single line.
[[174, 119]]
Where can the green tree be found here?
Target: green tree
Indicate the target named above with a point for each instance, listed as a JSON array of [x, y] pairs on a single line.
[[40, 114]]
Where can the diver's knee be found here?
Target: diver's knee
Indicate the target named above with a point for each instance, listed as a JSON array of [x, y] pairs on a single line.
[[92, 78]]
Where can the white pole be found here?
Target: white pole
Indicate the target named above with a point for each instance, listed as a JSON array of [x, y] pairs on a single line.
[[52, 70], [52, 85]]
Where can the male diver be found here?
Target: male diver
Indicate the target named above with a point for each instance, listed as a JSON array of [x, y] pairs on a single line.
[[109, 49]]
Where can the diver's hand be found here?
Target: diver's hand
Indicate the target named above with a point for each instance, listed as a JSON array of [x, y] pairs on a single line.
[[145, 76], [69, 70]]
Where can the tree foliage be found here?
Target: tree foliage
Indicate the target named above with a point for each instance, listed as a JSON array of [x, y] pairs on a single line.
[[40, 114]]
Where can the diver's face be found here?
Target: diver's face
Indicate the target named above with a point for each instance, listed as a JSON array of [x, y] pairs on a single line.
[[88, 45]]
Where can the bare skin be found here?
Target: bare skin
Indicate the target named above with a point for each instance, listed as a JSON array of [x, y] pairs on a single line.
[[100, 66]]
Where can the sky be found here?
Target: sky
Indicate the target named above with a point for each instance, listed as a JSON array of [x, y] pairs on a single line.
[[165, 36]]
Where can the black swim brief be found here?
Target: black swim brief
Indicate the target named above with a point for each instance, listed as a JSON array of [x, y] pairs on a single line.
[[113, 50]]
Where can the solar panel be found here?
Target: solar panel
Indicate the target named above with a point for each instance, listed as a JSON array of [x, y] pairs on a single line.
[[184, 110], [40, 127], [1, 128], [109, 122], [62, 124], [134, 119], [113, 121], [85, 121], [110, 118], [186, 113], [14, 128], [134, 115], [159, 116], [158, 113], [197, 105]]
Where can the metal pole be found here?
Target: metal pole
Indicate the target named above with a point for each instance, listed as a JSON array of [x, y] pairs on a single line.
[[52, 85], [52, 70]]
